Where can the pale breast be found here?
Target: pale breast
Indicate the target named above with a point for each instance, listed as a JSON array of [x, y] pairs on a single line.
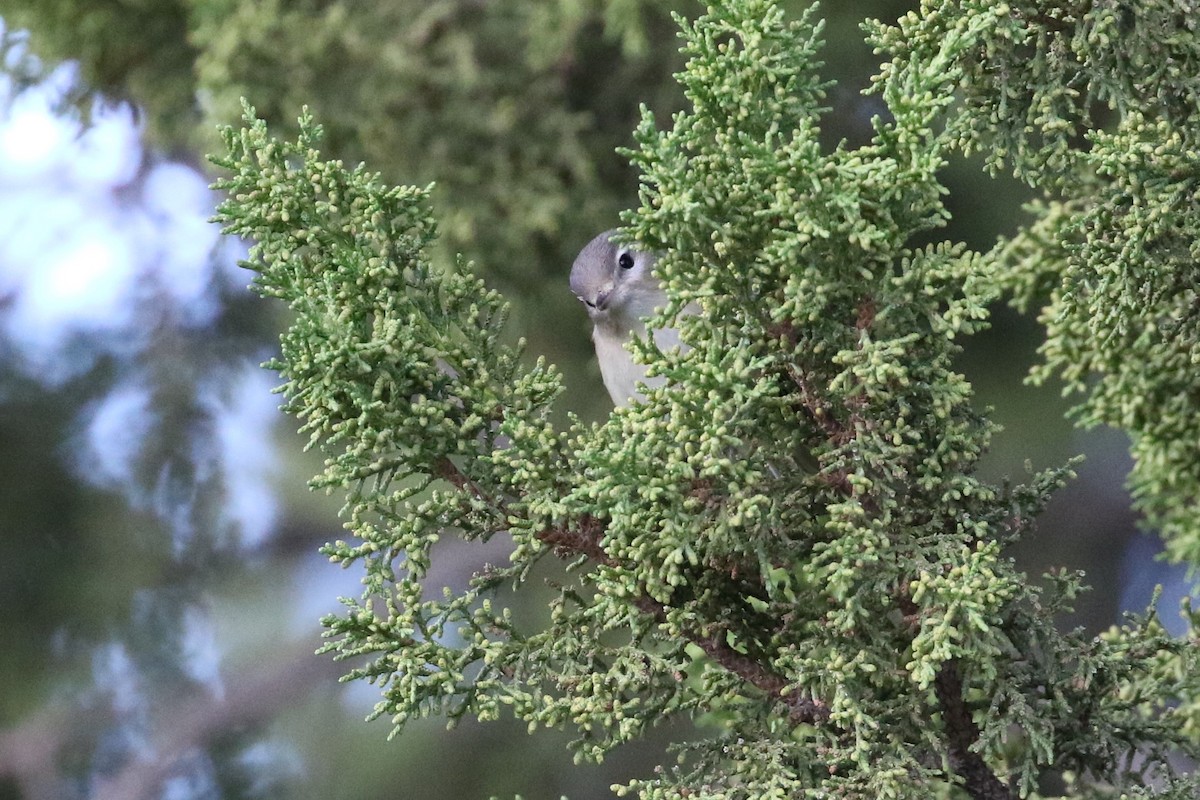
[[617, 367]]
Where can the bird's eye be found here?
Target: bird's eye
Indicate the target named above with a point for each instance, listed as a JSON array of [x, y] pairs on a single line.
[[625, 261]]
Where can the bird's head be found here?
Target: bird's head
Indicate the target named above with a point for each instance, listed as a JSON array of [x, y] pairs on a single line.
[[615, 282]]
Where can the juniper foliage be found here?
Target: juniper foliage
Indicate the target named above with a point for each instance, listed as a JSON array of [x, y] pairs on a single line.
[[789, 538], [1113, 250]]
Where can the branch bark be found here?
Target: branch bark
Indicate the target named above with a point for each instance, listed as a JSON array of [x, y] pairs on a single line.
[[30, 753], [962, 732], [586, 541]]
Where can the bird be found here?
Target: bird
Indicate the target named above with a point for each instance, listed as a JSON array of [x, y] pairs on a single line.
[[617, 284]]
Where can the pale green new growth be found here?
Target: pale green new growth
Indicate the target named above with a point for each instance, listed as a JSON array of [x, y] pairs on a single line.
[[789, 536]]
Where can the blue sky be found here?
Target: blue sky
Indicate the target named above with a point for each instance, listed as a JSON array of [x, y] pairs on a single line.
[[96, 237]]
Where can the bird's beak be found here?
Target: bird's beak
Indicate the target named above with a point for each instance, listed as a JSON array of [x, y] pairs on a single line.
[[597, 301]]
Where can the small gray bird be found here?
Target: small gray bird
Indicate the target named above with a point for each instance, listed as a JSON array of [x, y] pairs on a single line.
[[616, 284]]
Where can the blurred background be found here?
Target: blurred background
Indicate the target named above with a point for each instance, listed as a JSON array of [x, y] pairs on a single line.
[[160, 586]]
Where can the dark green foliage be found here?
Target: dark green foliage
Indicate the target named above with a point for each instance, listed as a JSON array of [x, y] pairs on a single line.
[[496, 102], [1115, 244], [1033, 77], [789, 538], [133, 48]]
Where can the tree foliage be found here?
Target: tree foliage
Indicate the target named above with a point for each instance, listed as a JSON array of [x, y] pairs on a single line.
[[512, 82], [789, 539], [1114, 240]]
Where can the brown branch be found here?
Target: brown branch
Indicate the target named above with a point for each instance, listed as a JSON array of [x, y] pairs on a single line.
[[586, 540], [866, 314], [801, 709], [30, 753], [962, 732], [256, 696], [445, 469], [816, 409]]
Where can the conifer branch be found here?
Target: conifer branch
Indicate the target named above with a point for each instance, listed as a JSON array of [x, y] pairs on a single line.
[[963, 736], [823, 330], [587, 540]]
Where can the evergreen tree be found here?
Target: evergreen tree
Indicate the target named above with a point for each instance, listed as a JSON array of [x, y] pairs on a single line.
[[789, 538]]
